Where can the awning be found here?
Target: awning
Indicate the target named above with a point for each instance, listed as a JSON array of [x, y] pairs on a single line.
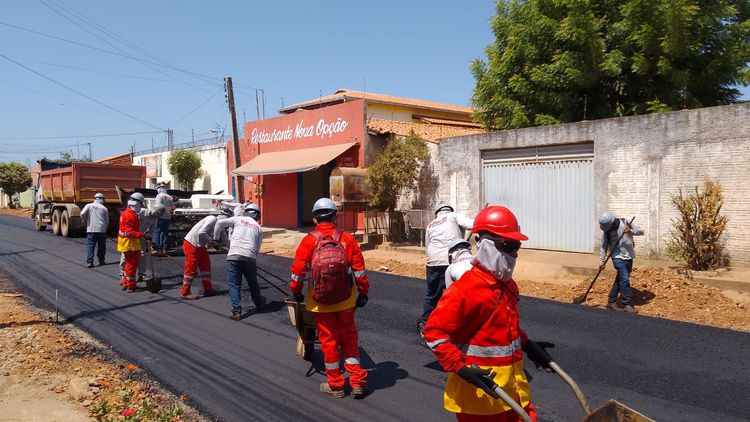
[[293, 161]]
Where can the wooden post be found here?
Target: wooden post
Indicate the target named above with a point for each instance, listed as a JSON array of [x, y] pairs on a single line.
[[238, 188]]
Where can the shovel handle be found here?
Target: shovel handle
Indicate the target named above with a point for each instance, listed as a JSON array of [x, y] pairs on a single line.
[[512, 403], [573, 386]]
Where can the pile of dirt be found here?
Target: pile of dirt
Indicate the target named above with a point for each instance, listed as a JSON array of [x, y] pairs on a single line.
[[19, 212], [656, 292], [63, 360], [395, 267]]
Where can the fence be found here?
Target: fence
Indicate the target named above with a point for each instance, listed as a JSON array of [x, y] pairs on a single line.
[[373, 222]]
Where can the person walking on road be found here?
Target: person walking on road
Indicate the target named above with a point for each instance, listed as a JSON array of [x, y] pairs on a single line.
[[622, 254], [161, 235], [338, 284], [96, 217], [459, 257], [446, 226], [475, 331], [195, 247], [129, 240], [244, 244]]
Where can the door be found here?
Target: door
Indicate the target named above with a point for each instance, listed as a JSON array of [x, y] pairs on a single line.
[[549, 189]]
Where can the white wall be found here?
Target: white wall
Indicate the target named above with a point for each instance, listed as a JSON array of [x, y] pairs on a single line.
[[213, 164]]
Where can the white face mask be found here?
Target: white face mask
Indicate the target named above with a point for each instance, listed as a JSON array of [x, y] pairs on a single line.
[[497, 263], [99, 200], [134, 205]]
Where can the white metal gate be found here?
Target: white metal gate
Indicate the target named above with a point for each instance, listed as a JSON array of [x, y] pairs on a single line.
[[549, 189]]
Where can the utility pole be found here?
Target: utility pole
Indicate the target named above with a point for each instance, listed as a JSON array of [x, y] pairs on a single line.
[[238, 188], [170, 139], [91, 157], [257, 106], [78, 151], [263, 97]]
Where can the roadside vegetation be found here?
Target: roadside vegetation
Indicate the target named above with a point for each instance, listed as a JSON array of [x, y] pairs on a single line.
[[185, 166]]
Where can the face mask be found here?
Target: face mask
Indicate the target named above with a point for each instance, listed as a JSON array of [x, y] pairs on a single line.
[[134, 205], [99, 200], [161, 190], [497, 263]]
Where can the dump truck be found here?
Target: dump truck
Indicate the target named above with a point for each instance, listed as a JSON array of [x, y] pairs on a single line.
[[63, 192]]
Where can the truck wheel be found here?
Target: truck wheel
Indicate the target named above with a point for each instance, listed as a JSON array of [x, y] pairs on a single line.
[[65, 230], [40, 227], [56, 217]]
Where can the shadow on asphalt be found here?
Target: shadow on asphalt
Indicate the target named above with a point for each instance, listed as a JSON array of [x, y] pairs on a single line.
[[89, 314]]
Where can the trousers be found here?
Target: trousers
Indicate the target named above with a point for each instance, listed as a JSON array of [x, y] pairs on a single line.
[[337, 334], [131, 268], [196, 259]]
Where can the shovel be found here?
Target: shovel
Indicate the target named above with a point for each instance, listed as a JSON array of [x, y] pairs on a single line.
[[153, 284], [581, 299]]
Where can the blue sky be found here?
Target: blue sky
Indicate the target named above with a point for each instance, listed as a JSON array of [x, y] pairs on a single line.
[[292, 50], [164, 62]]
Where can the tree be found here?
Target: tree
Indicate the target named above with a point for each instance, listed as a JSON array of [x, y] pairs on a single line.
[[185, 166], [67, 156], [556, 61], [395, 169], [14, 178]]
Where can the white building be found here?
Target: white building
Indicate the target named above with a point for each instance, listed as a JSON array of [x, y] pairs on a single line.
[[213, 155]]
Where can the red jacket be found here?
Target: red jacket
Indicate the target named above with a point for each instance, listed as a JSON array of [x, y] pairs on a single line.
[[467, 327], [129, 235], [301, 266]]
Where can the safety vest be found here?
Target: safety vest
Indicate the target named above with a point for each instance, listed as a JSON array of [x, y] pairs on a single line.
[[455, 335]]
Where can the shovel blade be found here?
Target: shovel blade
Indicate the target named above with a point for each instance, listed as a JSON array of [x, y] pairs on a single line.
[[614, 411], [153, 284]]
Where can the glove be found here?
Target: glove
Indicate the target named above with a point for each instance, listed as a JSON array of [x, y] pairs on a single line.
[[536, 353], [137, 235], [299, 297], [361, 301], [601, 267], [481, 378]]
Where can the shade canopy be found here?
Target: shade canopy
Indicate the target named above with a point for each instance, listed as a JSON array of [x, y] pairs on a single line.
[[293, 161]]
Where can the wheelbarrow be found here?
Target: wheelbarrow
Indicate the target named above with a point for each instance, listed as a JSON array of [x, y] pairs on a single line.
[[304, 322], [612, 411]]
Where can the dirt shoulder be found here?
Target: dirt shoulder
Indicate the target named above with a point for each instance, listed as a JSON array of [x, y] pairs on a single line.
[[656, 292], [19, 212], [56, 372]]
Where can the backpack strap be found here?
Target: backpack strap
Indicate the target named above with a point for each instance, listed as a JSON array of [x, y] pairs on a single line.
[[337, 235], [316, 234]]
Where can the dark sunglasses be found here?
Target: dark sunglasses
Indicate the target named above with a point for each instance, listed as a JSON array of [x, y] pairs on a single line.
[[507, 246]]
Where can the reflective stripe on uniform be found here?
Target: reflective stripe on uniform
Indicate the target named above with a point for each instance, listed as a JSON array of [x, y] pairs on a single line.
[[296, 277], [188, 277], [123, 234], [359, 274], [332, 365], [352, 361], [434, 344], [494, 351]]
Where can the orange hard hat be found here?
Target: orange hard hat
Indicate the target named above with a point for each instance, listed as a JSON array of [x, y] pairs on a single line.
[[498, 220]]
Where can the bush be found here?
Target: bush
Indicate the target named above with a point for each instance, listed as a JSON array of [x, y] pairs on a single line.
[[14, 178], [696, 234]]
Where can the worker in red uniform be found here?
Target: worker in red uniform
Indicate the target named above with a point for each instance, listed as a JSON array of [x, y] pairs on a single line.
[[129, 240], [330, 254], [475, 333]]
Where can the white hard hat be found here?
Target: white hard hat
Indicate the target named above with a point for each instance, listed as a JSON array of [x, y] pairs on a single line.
[[442, 206], [137, 196], [606, 220], [99, 195], [458, 243], [252, 210]]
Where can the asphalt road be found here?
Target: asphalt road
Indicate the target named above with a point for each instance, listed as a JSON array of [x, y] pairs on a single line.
[[247, 370]]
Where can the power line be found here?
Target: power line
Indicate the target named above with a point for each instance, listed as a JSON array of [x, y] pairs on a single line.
[[105, 135], [79, 92], [196, 108], [116, 47]]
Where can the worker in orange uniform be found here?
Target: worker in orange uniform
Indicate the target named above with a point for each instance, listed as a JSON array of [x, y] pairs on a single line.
[[333, 258], [129, 240], [480, 312]]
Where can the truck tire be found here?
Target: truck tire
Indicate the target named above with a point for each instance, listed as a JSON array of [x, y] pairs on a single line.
[[56, 217], [40, 227], [65, 229]]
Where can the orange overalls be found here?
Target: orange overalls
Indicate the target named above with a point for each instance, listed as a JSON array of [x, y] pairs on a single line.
[[129, 243], [337, 331]]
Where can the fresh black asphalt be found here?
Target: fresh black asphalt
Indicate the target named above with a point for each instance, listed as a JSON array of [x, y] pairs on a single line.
[[247, 370]]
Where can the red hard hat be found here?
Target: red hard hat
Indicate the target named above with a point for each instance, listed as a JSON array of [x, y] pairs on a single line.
[[498, 220]]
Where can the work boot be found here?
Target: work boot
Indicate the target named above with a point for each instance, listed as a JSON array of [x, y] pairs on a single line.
[[420, 329], [360, 392], [614, 306], [629, 309], [101, 263], [188, 296], [328, 391], [89, 264], [235, 316], [262, 304], [209, 292]]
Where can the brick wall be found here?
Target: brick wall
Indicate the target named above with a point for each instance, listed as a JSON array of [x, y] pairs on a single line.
[[639, 163]]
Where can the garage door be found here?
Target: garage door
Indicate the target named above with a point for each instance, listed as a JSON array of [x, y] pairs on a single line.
[[549, 189]]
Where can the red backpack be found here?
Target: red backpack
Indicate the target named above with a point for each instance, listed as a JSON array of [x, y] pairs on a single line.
[[329, 269]]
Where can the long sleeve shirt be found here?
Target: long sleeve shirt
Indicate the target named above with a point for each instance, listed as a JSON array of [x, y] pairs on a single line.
[[461, 264], [96, 217], [625, 248], [439, 234], [247, 236], [166, 200], [202, 232], [354, 257], [129, 235]]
